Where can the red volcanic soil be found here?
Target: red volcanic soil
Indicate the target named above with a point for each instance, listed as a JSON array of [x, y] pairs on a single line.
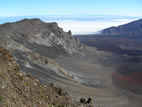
[[134, 78], [131, 82]]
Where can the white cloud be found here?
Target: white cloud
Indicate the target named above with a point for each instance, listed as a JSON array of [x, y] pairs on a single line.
[[90, 27]]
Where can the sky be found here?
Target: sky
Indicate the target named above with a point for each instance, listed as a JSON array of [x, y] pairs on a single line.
[[73, 14], [70, 7]]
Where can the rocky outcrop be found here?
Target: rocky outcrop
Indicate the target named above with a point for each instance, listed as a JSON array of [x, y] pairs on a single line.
[[37, 32], [36, 45]]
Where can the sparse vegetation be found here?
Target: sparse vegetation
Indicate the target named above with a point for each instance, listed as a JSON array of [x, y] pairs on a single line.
[[1, 98], [21, 89]]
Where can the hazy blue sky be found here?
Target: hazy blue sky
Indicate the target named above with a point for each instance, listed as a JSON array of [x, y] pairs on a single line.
[[80, 16], [70, 7]]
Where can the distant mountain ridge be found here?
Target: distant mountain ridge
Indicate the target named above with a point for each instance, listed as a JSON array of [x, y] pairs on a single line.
[[125, 38], [131, 29]]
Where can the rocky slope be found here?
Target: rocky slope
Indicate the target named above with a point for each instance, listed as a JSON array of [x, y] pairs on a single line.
[[35, 44], [51, 55], [20, 89], [131, 29], [35, 32]]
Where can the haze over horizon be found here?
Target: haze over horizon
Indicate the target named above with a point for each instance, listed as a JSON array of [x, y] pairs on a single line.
[[75, 15]]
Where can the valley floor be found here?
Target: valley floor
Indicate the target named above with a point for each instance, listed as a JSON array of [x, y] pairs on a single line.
[[90, 79]]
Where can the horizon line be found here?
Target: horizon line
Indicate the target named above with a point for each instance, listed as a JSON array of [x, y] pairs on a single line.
[[70, 16]]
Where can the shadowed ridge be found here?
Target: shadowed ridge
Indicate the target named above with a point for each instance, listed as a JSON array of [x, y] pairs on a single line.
[[131, 29]]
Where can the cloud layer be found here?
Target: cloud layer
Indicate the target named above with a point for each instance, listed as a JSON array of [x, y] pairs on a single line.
[[90, 27]]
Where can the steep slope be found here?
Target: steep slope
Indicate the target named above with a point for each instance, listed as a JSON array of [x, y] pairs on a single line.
[[36, 45], [35, 32], [19, 89], [52, 55], [32, 42], [131, 29]]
